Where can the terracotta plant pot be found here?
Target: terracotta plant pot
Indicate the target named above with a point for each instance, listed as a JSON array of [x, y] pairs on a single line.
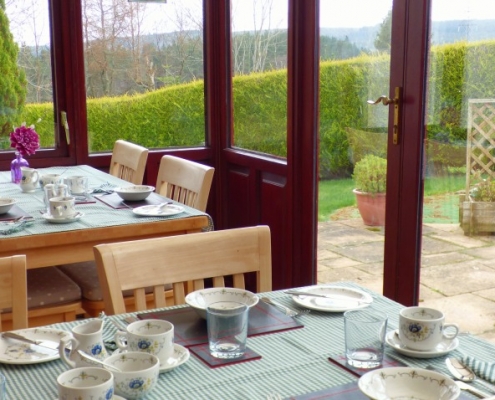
[[371, 207]]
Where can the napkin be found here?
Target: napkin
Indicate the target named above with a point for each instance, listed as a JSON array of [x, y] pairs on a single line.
[[13, 227], [485, 370]]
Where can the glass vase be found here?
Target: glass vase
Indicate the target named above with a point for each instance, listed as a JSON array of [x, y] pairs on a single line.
[[15, 167]]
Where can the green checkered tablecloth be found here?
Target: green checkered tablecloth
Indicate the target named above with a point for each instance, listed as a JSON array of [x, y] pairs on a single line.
[[293, 362], [96, 214]]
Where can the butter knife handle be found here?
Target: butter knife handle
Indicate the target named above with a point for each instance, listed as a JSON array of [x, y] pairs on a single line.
[[300, 293], [13, 335]]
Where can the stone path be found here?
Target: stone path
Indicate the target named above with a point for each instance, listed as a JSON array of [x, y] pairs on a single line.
[[457, 276]]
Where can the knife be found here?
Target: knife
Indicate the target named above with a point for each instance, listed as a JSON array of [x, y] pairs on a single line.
[[42, 343], [326, 296]]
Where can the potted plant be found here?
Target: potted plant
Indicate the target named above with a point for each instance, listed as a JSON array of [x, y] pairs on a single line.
[[477, 210], [370, 176]]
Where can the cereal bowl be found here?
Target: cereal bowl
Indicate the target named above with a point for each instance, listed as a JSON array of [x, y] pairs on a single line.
[[135, 192], [407, 383], [200, 299], [138, 376], [6, 204]]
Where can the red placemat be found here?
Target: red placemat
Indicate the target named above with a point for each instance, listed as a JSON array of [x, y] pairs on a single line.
[[115, 201], [202, 351], [190, 328], [341, 361], [14, 212]]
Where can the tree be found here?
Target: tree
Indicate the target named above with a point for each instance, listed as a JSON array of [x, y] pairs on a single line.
[[12, 79], [384, 35]]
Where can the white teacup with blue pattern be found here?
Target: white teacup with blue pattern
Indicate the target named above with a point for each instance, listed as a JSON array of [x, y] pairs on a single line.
[[422, 328], [153, 336]]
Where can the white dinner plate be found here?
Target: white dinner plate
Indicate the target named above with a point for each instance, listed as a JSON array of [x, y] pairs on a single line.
[[14, 351], [444, 347], [157, 211], [345, 299], [50, 218]]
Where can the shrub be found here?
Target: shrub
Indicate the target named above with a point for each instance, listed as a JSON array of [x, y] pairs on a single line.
[[370, 174]]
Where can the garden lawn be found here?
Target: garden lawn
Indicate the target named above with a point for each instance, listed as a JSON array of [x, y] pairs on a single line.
[[441, 203]]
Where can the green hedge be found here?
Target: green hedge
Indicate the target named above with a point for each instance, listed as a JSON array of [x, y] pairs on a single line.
[[174, 116]]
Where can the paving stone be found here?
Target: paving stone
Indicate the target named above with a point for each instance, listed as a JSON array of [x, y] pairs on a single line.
[[371, 268], [433, 260], [340, 262], [457, 276], [431, 245], [454, 279], [472, 313], [365, 253], [482, 252]]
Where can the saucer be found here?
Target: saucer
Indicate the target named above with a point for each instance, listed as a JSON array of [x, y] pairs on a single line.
[[444, 347], [53, 220], [180, 356]]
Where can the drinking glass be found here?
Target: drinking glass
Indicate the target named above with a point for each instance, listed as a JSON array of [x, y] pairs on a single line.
[[365, 337], [227, 323]]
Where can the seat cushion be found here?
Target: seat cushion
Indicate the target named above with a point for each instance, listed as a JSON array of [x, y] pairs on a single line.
[[86, 276], [49, 286]]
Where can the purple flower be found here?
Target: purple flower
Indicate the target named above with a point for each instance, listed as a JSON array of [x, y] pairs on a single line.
[[25, 139]]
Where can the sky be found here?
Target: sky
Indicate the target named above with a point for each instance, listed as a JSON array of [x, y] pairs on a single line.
[[333, 13]]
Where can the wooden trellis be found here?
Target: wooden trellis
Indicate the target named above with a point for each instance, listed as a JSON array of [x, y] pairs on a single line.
[[479, 217], [480, 149]]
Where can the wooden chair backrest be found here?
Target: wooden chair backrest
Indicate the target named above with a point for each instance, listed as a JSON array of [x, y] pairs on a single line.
[[179, 259], [128, 161], [13, 290], [185, 181]]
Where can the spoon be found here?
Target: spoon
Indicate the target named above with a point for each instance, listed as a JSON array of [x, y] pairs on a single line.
[[462, 385], [93, 360], [464, 373]]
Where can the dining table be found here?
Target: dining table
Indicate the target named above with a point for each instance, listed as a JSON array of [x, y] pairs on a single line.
[[299, 358], [102, 218]]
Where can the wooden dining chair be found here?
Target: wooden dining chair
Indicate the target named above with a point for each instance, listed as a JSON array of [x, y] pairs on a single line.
[[13, 291], [185, 181], [128, 162], [175, 260]]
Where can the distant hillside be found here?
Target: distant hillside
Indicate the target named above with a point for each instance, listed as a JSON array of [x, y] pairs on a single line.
[[442, 32]]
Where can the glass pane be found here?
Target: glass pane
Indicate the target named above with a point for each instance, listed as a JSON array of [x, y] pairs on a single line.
[[354, 68], [144, 73], [27, 92], [259, 62], [458, 212]]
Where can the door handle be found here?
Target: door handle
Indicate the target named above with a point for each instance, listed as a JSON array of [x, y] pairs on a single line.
[[65, 124], [397, 102]]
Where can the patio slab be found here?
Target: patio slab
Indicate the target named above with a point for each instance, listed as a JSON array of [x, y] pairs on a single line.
[[458, 271]]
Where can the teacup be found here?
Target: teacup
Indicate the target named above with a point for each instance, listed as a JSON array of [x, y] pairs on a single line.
[[29, 179], [51, 190], [63, 207], [138, 376], [151, 336], [422, 328], [86, 383], [54, 179], [77, 184]]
